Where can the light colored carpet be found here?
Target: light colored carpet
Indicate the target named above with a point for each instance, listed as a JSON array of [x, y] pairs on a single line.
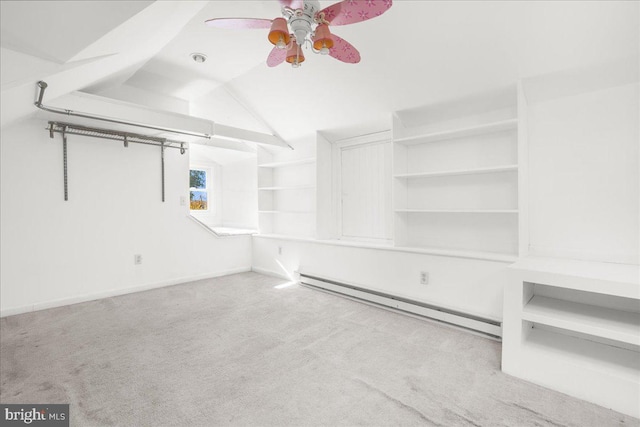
[[237, 351]]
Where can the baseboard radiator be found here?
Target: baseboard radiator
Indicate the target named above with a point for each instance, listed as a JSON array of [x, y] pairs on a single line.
[[484, 326]]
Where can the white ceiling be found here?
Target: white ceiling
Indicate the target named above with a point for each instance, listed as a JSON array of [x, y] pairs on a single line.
[[419, 53], [58, 30]]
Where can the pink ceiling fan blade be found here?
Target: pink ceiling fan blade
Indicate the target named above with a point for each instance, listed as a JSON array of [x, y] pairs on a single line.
[[352, 11], [276, 57], [293, 4], [344, 51], [238, 23]]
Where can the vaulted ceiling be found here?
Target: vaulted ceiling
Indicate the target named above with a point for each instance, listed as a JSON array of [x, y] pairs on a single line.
[[417, 54]]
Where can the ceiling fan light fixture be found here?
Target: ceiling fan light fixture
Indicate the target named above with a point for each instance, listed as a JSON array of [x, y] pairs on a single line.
[[303, 23], [322, 40], [295, 57], [279, 34]]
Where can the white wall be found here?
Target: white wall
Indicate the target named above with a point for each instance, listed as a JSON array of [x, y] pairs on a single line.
[[467, 285], [240, 194], [583, 175], [55, 252]]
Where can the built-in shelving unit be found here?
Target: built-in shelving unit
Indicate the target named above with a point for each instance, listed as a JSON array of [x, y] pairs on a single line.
[[287, 191], [618, 325], [574, 326], [455, 179]]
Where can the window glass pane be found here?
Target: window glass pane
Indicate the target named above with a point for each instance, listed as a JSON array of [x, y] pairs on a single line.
[[198, 200], [197, 179]]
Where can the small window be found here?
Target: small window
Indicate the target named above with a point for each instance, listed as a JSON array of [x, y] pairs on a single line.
[[198, 191]]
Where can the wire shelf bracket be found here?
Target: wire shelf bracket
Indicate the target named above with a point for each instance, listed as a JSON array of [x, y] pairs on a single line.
[[126, 138]]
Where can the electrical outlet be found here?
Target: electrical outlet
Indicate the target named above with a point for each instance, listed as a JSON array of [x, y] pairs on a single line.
[[137, 259], [279, 250], [183, 200], [424, 278]]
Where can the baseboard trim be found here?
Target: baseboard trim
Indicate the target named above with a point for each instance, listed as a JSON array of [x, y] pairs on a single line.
[[12, 311], [480, 325]]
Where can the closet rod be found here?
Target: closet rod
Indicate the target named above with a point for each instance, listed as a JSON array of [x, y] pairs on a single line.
[[125, 137], [42, 86], [113, 135]]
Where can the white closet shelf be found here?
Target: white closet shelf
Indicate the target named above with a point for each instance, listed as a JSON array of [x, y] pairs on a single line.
[[286, 212], [292, 187], [494, 169], [601, 277], [544, 349], [602, 322], [288, 163], [460, 133], [463, 211]]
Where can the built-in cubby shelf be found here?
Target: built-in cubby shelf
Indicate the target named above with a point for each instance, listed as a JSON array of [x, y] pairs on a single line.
[[485, 128], [617, 325], [287, 190], [456, 180], [574, 326], [554, 352], [472, 171]]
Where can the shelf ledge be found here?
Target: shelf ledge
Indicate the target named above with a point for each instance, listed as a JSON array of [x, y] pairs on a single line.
[[617, 325], [286, 212], [302, 187], [459, 133], [474, 171], [464, 211], [288, 163], [454, 253], [621, 280]]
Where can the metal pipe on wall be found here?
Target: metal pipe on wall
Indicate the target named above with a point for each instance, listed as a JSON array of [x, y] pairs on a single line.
[[42, 86]]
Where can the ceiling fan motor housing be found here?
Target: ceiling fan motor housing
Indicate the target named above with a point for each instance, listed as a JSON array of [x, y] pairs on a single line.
[[302, 20]]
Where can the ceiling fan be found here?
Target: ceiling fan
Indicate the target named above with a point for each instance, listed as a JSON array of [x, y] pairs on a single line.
[[303, 23]]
